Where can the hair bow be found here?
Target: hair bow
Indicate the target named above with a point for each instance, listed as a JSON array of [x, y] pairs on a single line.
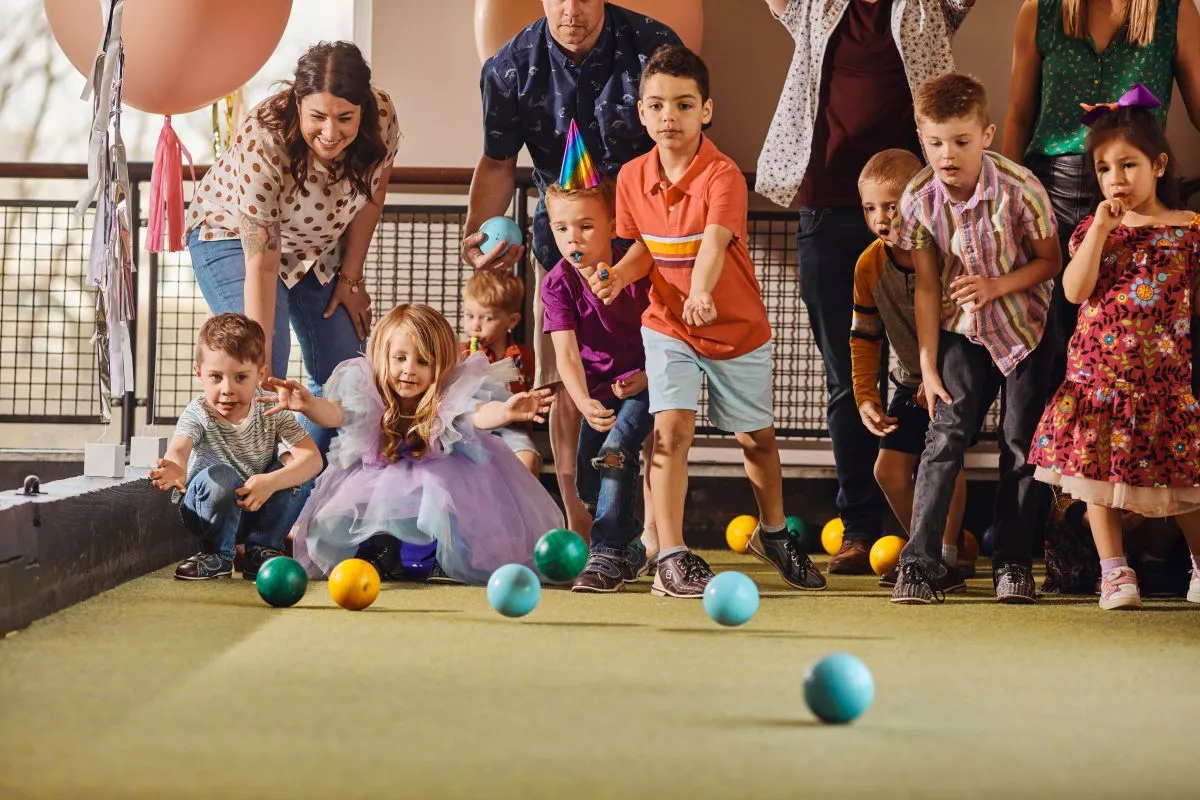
[[1137, 97]]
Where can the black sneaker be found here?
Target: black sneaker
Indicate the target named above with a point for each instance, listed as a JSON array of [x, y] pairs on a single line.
[[684, 574], [888, 579], [204, 567], [952, 581], [915, 586], [255, 558], [786, 556], [383, 553], [439, 575], [1014, 583]]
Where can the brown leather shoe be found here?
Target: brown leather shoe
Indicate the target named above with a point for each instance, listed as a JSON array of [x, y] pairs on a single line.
[[603, 574], [852, 559], [684, 574]]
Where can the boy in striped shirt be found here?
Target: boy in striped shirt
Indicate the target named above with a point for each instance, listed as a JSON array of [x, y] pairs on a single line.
[[685, 206], [985, 249], [223, 457]]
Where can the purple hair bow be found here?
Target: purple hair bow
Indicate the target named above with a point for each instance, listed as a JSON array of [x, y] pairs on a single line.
[[1137, 97]]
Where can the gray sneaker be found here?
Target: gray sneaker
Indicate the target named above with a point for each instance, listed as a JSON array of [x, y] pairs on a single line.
[[681, 575], [792, 563], [1014, 583], [915, 586]]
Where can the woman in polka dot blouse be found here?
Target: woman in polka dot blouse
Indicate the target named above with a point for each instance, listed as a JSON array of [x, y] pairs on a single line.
[[279, 227]]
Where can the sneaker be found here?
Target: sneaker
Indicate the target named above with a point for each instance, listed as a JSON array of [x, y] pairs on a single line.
[[853, 558], [888, 579], [952, 581], [635, 564], [650, 567], [439, 575], [966, 568], [603, 574], [785, 555], [681, 575], [1014, 583], [915, 586], [383, 553], [255, 558], [1119, 589], [1193, 595], [204, 566]]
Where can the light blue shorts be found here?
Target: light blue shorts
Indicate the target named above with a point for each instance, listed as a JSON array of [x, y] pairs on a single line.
[[517, 438], [740, 398]]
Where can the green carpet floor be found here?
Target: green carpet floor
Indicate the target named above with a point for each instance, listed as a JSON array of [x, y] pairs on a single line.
[[166, 689]]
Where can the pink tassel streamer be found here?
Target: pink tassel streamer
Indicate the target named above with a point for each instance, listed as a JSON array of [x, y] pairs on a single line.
[[166, 191]]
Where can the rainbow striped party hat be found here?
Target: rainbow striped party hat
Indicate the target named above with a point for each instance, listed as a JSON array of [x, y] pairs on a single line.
[[578, 172]]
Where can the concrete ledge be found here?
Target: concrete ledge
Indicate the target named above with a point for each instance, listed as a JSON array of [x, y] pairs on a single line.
[[80, 537]]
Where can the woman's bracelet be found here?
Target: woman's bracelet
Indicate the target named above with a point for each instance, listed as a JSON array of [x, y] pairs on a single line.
[[351, 282]]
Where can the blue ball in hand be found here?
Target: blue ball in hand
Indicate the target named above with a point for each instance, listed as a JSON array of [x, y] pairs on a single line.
[[500, 231]]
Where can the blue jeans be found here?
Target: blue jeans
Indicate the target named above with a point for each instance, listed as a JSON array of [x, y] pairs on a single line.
[[324, 343], [828, 244], [612, 490], [210, 511]]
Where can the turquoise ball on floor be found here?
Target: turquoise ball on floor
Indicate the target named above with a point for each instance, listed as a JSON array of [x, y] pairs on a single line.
[[281, 581], [500, 231], [514, 590], [839, 688], [731, 599]]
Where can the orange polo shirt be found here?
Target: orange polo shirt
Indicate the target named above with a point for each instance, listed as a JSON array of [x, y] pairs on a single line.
[[669, 219]]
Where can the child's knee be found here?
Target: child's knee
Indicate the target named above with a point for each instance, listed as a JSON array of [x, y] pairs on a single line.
[[215, 480], [672, 435], [760, 441]]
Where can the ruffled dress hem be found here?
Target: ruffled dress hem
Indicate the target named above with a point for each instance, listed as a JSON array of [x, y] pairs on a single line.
[[1157, 501]]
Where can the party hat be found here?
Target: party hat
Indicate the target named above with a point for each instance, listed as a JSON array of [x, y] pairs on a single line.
[[577, 169]]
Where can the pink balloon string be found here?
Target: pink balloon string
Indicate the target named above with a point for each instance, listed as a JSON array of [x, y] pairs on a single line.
[[166, 191]]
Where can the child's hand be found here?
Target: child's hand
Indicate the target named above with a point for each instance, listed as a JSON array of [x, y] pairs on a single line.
[[255, 491], [931, 385], [604, 281], [876, 421], [699, 309], [529, 406], [169, 475], [975, 289], [289, 396], [1110, 213], [599, 417], [628, 387]]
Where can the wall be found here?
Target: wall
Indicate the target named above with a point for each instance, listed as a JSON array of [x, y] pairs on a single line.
[[747, 50]]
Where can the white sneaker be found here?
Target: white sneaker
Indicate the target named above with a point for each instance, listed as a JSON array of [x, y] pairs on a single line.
[[1119, 589], [1193, 595]]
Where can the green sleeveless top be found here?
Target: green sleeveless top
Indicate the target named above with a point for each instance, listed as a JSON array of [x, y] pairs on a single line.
[[1073, 73]]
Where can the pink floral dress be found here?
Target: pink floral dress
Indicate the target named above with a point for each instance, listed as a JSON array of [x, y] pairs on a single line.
[[1123, 430]]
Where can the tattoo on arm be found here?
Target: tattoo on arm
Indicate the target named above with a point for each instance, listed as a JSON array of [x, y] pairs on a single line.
[[258, 236]]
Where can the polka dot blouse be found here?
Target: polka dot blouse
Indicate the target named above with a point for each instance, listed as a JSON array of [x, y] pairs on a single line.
[[252, 178]]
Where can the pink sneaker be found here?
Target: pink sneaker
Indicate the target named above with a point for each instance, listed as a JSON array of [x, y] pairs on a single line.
[[1193, 595], [1119, 589]]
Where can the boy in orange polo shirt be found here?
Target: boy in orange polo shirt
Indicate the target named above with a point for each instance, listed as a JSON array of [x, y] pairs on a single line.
[[685, 205]]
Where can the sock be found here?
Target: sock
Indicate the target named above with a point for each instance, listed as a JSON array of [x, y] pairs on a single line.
[[1107, 565], [950, 554], [776, 532], [671, 551]]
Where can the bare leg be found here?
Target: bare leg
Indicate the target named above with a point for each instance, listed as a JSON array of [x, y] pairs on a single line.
[[673, 433], [761, 454], [1106, 531], [564, 444], [895, 472], [649, 529], [1190, 525], [531, 460]]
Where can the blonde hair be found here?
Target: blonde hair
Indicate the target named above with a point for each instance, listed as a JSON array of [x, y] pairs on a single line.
[[893, 168], [496, 290], [1139, 15], [436, 342], [604, 191]]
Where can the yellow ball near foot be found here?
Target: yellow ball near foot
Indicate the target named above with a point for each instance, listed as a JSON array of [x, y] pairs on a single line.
[[885, 553], [354, 584], [738, 532], [831, 535]]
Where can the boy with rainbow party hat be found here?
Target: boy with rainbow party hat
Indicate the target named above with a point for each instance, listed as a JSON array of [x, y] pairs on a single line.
[[599, 354], [686, 204]]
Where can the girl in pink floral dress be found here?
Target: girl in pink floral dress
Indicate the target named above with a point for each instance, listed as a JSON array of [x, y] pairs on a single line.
[[1123, 431]]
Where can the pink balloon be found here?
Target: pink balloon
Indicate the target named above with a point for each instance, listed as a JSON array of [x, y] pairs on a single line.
[[497, 21], [180, 55]]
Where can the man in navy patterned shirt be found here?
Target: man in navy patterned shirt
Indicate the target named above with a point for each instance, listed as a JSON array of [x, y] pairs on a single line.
[[582, 60]]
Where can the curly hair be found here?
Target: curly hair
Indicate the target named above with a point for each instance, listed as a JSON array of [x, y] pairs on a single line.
[[678, 62], [340, 69], [436, 342]]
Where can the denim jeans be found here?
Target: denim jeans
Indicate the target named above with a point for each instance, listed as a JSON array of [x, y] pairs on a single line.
[[210, 511], [324, 343], [612, 490], [971, 378], [828, 244]]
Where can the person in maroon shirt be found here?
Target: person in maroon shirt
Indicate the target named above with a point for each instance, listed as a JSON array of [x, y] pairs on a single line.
[[866, 57]]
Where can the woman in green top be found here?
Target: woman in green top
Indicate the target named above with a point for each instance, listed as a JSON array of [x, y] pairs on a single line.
[[1069, 52]]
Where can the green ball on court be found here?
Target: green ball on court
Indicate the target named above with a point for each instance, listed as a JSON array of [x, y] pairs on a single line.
[[281, 581], [560, 555]]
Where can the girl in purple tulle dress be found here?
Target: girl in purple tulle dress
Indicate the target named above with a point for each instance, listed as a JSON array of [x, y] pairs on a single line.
[[409, 464]]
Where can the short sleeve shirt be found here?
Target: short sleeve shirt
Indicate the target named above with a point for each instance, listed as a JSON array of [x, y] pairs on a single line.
[[609, 336], [248, 448], [669, 219], [252, 177], [531, 91]]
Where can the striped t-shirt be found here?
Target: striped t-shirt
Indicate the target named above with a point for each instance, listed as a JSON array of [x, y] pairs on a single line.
[[986, 235], [249, 448]]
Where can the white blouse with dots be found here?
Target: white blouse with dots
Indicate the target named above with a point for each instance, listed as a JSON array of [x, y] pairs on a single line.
[[252, 178]]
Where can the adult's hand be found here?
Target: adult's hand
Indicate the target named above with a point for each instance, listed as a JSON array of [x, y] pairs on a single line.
[[356, 304], [500, 259]]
